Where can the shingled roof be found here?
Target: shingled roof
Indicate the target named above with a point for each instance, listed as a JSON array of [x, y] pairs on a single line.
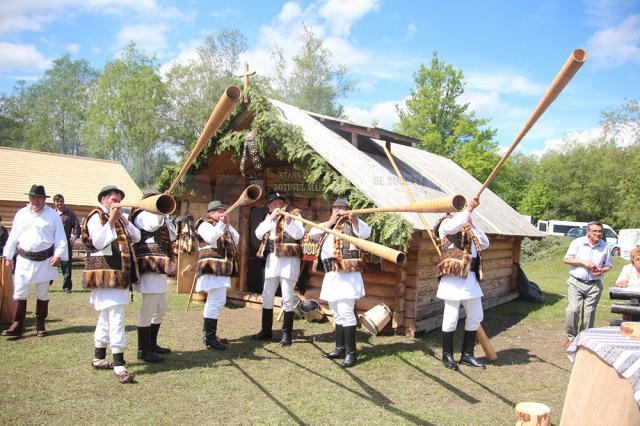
[[428, 175]]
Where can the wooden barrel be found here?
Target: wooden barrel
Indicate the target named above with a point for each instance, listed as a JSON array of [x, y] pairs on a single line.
[[6, 292]]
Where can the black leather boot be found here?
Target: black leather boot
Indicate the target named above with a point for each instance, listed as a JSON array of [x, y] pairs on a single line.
[[447, 351], [267, 321], [19, 313], [287, 329], [339, 351], [42, 310], [145, 353], [210, 339], [468, 344], [155, 328], [350, 356]]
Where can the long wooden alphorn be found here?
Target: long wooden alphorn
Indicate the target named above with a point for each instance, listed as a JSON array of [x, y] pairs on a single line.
[[157, 204], [376, 249], [571, 66], [437, 205], [250, 195], [220, 113]]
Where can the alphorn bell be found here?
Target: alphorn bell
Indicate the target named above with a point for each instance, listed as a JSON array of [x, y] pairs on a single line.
[[438, 205], [376, 249], [158, 204], [249, 196]]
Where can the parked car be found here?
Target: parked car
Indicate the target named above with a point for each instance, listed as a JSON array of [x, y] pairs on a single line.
[[628, 239], [581, 232]]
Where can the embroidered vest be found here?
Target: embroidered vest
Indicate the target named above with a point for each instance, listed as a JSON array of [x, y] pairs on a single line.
[[157, 256], [346, 256], [457, 258], [117, 270], [283, 245], [220, 260]]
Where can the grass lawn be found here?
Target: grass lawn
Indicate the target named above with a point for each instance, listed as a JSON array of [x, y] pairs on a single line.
[[399, 379]]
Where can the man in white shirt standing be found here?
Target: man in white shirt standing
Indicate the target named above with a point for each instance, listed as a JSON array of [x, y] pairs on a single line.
[[460, 273], [156, 261], [38, 237], [588, 258], [217, 242], [281, 246], [109, 272], [342, 284]]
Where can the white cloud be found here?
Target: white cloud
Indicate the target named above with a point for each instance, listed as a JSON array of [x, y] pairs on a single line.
[[341, 14], [289, 12], [623, 136], [224, 13], [617, 45], [411, 31], [22, 57], [383, 112], [188, 52], [503, 82], [33, 15], [72, 48], [150, 38], [604, 13]]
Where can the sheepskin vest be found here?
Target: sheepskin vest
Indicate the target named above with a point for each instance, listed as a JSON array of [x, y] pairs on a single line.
[[457, 258], [117, 270], [156, 256], [219, 260], [346, 256], [282, 245]]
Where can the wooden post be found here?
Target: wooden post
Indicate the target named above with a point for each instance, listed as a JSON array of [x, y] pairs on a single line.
[[244, 223]]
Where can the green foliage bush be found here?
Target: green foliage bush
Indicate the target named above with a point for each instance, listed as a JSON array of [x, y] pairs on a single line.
[[535, 249]]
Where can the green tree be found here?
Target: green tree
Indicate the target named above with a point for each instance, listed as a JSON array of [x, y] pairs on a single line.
[[128, 115], [513, 181], [434, 114], [53, 110], [194, 88], [314, 84]]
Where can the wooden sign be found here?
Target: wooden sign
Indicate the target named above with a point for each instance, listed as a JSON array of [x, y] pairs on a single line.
[[290, 181]]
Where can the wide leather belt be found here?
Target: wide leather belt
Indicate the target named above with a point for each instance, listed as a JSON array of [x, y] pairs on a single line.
[[37, 256], [588, 282]]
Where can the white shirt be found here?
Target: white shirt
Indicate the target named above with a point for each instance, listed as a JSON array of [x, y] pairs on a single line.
[[211, 234], [101, 237], [582, 250], [152, 282], [340, 285], [36, 232], [457, 288], [281, 266]]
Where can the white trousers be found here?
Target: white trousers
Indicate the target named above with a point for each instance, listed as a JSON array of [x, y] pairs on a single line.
[[269, 292], [216, 298], [110, 329], [154, 306], [473, 308], [343, 313], [21, 290]]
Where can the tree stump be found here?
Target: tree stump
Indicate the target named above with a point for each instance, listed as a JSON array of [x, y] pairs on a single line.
[[533, 414]]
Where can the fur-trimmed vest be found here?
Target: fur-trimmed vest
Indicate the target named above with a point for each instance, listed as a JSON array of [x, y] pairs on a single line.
[[282, 245], [157, 256], [117, 270], [220, 260], [457, 258], [346, 256]]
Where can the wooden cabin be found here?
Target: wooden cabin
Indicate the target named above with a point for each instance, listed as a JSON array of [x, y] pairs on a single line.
[[356, 153], [78, 179]]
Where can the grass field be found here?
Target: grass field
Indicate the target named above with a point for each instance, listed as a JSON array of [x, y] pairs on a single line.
[[399, 379]]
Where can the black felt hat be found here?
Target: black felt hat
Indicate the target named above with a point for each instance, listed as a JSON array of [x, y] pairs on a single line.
[[108, 189], [274, 195], [37, 191], [150, 193], [215, 205], [340, 202]]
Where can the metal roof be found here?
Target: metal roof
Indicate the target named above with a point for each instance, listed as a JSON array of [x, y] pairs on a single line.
[[79, 179], [428, 176]]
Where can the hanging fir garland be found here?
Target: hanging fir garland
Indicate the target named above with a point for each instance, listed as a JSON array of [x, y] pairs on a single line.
[[285, 141]]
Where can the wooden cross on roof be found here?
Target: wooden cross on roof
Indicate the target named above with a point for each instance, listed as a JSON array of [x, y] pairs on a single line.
[[245, 80]]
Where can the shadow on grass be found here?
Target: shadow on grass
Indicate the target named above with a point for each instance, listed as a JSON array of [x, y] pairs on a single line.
[[372, 395], [486, 388], [517, 356]]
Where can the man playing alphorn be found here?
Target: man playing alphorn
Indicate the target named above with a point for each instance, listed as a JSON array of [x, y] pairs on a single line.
[[39, 239], [156, 261], [217, 241], [108, 235], [459, 272], [281, 246], [342, 284]]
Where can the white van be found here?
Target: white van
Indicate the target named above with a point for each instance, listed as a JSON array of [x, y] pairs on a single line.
[[627, 240], [561, 227]]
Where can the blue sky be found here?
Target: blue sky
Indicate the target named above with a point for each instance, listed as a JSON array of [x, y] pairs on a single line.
[[509, 51]]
